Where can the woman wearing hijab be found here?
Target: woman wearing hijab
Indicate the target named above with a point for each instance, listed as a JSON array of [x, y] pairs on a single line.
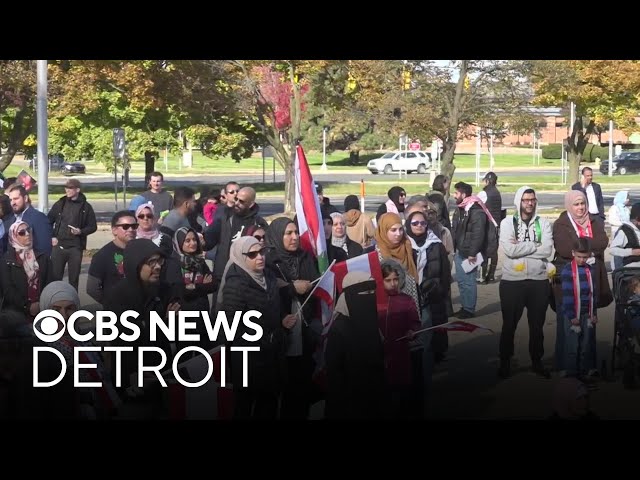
[[195, 274], [395, 204], [24, 273], [354, 355], [619, 211], [341, 240], [98, 402], [574, 223], [246, 285], [148, 227], [392, 242], [359, 226], [434, 276], [295, 269]]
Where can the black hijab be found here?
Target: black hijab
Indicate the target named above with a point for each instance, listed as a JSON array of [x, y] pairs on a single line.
[[394, 195], [279, 256], [419, 239]]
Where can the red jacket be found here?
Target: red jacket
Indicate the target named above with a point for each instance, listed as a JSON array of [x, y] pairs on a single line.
[[395, 320]]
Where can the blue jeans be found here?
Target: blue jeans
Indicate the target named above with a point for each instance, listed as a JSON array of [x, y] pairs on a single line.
[[579, 350], [466, 284]]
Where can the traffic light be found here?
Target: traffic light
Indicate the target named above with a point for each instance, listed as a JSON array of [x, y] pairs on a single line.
[[351, 83], [406, 79]]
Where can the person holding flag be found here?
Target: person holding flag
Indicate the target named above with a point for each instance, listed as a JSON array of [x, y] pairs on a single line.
[[295, 269]]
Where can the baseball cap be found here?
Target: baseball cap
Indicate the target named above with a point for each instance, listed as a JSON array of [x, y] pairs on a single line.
[[491, 177], [72, 183]]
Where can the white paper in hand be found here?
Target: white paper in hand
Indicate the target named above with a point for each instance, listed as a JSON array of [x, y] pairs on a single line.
[[469, 267]]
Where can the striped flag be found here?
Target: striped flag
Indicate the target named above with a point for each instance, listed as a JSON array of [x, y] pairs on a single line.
[[310, 226], [210, 401], [329, 289], [460, 326]]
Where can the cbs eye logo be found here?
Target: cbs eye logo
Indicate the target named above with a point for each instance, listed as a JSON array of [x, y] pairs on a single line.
[[49, 326]]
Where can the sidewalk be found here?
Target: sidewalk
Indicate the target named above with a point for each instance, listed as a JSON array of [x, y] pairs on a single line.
[[466, 385]]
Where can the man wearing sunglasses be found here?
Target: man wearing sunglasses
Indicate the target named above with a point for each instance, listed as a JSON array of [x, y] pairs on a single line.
[[107, 269], [72, 219], [243, 215]]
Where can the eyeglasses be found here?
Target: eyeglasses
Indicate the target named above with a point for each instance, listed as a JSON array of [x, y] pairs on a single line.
[[252, 255], [232, 191], [529, 200], [415, 223], [147, 216], [155, 262], [402, 195], [127, 226], [259, 237], [23, 232]]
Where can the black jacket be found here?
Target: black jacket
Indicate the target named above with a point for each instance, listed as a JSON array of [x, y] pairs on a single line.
[[339, 255], [494, 202], [86, 221], [131, 294], [469, 230], [14, 280], [231, 227], [597, 191], [241, 294], [436, 282]]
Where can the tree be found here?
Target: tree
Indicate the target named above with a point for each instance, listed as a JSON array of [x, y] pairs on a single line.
[[601, 90], [444, 101], [271, 94], [17, 106], [153, 100]]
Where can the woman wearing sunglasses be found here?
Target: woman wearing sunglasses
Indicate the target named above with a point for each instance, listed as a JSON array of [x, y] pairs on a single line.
[[246, 285], [24, 272], [148, 228], [258, 232], [434, 285]]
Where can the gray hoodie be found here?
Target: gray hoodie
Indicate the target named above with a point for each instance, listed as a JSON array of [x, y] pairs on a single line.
[[525, 260]]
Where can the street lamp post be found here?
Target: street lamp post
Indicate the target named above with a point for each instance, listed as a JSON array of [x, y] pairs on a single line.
[[324, 150]]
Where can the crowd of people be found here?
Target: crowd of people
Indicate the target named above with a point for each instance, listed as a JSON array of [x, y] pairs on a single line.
[[377, 360]]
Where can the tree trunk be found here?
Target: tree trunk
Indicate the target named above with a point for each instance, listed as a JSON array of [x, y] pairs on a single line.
[[290, 184], [574, 167], [149, 163], [448, 168]]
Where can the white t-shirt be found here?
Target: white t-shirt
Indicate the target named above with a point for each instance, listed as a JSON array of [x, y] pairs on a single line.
[[591, 199]]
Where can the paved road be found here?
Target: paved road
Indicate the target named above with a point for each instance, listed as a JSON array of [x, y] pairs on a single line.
[[270, 206]]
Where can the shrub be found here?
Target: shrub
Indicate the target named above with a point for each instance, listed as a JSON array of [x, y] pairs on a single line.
[[552, 151]]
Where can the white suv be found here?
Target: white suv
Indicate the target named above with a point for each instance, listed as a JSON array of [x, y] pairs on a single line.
[[411, 161]]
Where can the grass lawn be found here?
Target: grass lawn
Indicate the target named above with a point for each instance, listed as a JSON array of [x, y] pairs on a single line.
[[336, 161]]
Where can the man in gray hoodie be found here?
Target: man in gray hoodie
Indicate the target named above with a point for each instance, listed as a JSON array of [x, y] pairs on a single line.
[[527, 243]]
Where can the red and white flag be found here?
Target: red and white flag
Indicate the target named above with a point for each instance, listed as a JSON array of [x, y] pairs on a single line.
[[310, 226], [210, 401], [330, 285], [460, 326], [329, 289]]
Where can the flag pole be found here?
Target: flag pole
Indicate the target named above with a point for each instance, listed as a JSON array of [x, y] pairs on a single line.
[[440, 326], [314, 288]]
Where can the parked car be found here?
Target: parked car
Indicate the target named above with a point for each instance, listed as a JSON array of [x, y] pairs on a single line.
[[57, 163], [411, 161], [626, 162]]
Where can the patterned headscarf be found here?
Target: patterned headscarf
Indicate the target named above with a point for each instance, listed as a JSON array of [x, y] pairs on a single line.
[[25, 253]]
